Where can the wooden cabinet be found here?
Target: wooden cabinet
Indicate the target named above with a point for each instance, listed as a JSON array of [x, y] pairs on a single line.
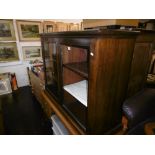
[[87, 73], [37, 88], [145, 44]]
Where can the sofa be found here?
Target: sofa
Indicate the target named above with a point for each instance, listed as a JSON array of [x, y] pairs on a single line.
[[138, 110]]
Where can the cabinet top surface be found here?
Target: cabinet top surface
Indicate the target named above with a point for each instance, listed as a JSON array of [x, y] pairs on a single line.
[[91, 33]]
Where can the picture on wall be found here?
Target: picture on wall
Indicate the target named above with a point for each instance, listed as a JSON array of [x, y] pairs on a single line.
[[31, 52], [29, 30], [49, 26], [8, 52], [7, 30], [61, 26], [73, 27]]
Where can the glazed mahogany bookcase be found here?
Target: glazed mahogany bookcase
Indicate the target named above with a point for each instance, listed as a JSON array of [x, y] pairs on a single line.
[[90, 73]]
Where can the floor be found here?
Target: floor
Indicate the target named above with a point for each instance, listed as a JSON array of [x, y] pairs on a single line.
[[21, 114]]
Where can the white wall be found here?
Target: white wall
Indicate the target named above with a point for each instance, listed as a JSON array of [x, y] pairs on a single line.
[[20, 67]]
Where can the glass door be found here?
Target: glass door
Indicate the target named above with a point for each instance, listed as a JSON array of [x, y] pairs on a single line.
[[75, 82], [51, 68]]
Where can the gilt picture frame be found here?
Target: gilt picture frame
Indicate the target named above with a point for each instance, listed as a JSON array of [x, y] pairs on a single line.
[[32, 52], [61, 26], [49, 26], [73, 27], [7, 32], [8, 52], [29, 30]]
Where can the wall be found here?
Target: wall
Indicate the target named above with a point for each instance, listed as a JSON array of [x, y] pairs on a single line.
[[20, 67]]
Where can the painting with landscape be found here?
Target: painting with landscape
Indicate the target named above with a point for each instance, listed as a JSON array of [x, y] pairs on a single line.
[[29, 31], [31, 52], [6, 30], [8, 52]]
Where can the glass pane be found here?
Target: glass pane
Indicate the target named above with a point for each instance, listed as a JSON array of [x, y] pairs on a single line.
[[75, 59], [75, 82], [51, 68]]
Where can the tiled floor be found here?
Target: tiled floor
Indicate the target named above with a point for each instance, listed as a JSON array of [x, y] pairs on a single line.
[[21, 114]]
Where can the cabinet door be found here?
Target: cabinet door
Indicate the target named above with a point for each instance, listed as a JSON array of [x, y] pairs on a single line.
[[75, 82], [51, 68]]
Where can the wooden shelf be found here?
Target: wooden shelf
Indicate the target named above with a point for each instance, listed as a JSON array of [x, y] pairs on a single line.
[[79, 91], [78, 67]]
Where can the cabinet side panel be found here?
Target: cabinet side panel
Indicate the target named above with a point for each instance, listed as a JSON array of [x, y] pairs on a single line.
[[140, 66], [108, 80]]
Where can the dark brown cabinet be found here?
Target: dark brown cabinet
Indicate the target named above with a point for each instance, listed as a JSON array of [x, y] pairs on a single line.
[[87, 73], [144, 46]]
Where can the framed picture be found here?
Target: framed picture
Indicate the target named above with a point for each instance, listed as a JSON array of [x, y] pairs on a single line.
[[29, 30], [7, 32], [31, 52], [49, 26], [8, 52], [73, 27], [60, 26]]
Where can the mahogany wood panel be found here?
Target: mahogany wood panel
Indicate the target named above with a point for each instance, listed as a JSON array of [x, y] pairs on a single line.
[[108, 79], [80, 68], [83, 36], [145, 43], [73, 55], [139, 68], [70, 77]]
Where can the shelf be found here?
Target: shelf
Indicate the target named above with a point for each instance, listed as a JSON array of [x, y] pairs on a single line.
[[78, 67], [79, 91]]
